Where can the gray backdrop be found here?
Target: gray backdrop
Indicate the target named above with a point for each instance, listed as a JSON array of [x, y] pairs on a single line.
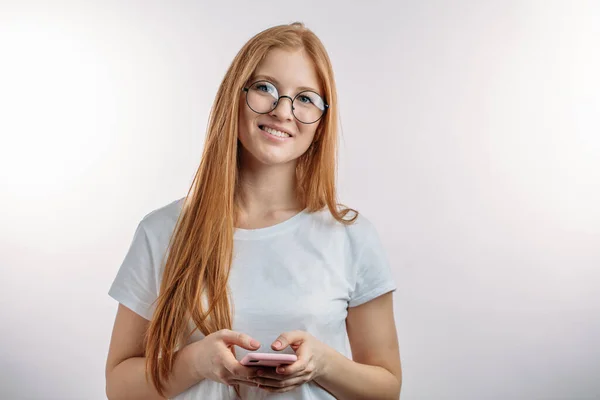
[[470, 138]]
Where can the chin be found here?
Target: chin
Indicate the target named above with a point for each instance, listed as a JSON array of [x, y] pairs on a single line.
[[271, 161], [264, 158]]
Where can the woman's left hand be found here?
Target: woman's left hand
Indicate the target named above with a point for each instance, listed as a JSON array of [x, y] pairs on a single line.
[[310, 364]]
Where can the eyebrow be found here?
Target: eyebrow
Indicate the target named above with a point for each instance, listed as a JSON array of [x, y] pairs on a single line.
[[270, 78]]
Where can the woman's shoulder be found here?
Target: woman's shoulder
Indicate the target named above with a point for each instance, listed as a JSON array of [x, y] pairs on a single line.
[[356, 230], [163, 218]]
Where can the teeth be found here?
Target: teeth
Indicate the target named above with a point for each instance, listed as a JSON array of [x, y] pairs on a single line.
[[275, 132]]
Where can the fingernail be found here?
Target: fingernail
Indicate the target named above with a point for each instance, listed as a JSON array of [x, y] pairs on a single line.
[[277, 344], [259, 372], [280, 370], [254, 343]]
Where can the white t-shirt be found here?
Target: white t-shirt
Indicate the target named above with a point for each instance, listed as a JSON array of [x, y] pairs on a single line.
[[301, 274]]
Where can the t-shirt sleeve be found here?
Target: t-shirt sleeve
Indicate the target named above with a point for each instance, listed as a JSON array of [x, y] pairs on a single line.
[[135, 284], [373, 272]]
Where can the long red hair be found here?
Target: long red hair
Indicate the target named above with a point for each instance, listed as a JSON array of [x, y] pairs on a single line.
[[201, 246]]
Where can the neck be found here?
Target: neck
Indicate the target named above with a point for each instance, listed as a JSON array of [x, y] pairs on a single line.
[[267, 189]]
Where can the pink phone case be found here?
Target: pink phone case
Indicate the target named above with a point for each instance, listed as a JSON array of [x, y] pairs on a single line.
[[268, 359]]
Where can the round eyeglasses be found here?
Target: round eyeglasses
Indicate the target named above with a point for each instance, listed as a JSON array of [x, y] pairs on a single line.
[[307, 106]]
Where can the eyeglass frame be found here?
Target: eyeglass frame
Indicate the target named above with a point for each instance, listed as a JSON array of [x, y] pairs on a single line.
[[276, 103]]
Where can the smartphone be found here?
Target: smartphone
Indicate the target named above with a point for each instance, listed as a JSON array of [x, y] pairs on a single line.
[[268, 359]]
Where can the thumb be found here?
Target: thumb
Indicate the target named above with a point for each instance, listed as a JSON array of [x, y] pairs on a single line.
[[288, 338], [239, 339]]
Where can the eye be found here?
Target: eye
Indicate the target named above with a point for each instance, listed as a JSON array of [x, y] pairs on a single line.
[[264, 87], [305, 99]]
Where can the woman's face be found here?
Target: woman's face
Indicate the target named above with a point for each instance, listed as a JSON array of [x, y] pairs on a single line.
[[289, 72]]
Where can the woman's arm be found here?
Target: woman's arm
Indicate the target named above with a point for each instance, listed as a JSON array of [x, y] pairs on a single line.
[[374, 371], [125, 366], [128, 379]]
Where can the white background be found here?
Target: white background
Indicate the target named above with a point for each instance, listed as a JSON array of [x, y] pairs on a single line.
[[470, 138]]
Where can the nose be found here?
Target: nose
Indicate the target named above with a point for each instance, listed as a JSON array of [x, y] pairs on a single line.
[[282, 109]]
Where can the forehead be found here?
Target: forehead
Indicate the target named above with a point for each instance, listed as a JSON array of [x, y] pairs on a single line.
[[291, 69]]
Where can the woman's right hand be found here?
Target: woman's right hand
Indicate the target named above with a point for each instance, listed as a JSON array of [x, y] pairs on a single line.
[[215, 360]]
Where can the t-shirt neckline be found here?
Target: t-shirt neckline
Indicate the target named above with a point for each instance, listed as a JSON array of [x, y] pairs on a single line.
[[240, 233]]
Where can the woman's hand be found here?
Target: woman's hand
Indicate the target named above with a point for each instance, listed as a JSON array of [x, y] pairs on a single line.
[[215, 360], [310, 364]]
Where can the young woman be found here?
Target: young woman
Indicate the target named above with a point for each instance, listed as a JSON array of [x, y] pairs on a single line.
[[259, 254]]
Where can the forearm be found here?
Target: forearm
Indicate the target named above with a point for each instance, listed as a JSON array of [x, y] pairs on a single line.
[[347, 379], [127, 381]]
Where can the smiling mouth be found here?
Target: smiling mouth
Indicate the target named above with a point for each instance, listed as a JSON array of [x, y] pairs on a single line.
[[274, 132]]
